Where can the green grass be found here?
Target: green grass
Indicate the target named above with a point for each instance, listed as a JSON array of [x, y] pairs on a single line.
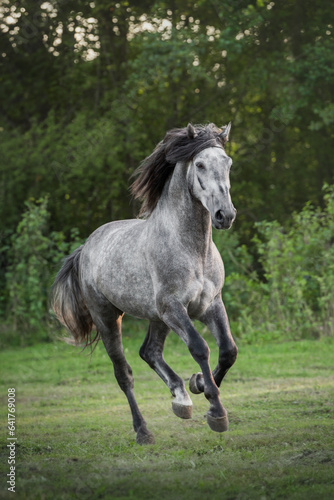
[[75, 437]]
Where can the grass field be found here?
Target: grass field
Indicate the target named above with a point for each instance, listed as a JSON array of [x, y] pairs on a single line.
[[75, 438]]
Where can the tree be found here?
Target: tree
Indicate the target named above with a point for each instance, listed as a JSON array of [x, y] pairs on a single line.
[[88, 89]]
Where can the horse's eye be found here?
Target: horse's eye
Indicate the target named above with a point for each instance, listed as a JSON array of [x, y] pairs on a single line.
[[200, 165]]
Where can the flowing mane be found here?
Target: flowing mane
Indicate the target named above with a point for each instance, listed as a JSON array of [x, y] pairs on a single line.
[[179, 144]]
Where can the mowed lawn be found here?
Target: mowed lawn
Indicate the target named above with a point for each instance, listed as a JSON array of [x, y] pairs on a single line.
[[75, 438]]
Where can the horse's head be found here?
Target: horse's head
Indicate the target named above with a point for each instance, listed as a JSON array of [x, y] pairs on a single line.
[[209, 182]]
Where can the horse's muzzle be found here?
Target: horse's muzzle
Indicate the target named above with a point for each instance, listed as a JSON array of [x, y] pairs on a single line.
[[224, 218]]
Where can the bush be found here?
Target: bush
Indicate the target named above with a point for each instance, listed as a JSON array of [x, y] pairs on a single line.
[[34, 256], [294, 299]]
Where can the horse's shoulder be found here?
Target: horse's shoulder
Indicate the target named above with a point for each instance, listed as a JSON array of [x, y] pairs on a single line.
[[214, 266]]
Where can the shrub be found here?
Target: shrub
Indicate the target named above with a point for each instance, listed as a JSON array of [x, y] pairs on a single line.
[[294, 299], [34, 255]]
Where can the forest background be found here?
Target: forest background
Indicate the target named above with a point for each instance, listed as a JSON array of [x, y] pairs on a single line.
[[87, 89]]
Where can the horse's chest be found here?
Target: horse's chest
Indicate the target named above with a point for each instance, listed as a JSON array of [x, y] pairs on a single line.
[[204, 293], [205, 287]]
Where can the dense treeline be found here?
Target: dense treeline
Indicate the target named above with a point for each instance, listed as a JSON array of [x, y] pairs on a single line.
[[88, 88]]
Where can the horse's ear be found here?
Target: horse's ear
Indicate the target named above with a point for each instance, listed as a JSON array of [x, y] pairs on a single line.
[[225, 133], [191, 131]]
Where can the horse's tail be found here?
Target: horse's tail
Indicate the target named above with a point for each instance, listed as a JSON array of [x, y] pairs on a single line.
[[68, 303]]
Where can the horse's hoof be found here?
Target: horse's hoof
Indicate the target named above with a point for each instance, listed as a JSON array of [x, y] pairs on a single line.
[[144, 436], [219, 424], [182, 411], [196, 384]]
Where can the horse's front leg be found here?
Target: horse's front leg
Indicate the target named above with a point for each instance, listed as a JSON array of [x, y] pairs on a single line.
[[176, 317], [215, 318]]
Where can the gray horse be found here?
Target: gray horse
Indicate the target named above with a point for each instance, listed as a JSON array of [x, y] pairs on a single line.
[[164, 267]]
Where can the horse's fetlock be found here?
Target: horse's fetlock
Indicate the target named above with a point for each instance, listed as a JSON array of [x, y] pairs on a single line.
[[212, 393]]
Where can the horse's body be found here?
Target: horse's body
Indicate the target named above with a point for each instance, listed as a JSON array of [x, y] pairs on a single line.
[[160, 256], [165, 269]]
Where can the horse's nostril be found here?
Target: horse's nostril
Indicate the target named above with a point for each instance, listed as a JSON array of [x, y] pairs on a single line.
[[219, 215]]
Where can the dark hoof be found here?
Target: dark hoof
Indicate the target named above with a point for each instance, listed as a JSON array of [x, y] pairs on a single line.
[[196, 384], [219, 424], [182, 411], [144, 436]]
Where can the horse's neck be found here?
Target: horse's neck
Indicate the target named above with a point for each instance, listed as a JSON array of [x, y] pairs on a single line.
[[182, 215]]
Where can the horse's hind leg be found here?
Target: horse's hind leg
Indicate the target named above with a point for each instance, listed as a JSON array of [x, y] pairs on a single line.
[[109, 328], [152, 352]]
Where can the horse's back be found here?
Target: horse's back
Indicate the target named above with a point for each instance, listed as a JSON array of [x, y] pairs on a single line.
[[110, 228]]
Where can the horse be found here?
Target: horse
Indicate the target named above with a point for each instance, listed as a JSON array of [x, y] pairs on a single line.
[[162, 266]]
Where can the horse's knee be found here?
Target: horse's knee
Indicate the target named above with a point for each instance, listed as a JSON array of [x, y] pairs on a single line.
[[199, 350], [227, 358]]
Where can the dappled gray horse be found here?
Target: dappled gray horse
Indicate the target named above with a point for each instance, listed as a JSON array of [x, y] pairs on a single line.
[[164, 267]]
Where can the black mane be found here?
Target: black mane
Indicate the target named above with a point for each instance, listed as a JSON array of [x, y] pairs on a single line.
[[179, 144]]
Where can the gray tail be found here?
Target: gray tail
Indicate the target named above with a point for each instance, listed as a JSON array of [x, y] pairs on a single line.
[[68, 303]]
